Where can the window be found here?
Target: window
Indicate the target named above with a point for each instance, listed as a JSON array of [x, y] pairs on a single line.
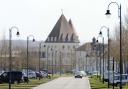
[[63, 46], [44, 45], [43, 55], [74, 47], [61, 37], [5, 74], [54, 38], [51, 38]]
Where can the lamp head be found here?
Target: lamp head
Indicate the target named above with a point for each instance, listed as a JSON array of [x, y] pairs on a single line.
[[97, 41], [100, 33], [33, 40], [108, 12], [17, 33]]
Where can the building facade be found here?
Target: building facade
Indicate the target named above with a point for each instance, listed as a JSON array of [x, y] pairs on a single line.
[[59, 49]]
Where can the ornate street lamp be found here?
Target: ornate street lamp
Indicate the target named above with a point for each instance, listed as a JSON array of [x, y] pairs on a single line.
[[47, 57], [100, 33], [39, 55], [60, 62], [99, 48], [52, 60], [10, 51], [119, 14], [28, 51]]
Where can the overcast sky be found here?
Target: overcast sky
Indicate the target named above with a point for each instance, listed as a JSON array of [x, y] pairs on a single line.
[[38, 17]]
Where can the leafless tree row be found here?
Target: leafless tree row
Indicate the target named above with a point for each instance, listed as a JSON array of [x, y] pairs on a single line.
[[19, 57], [115, 44]]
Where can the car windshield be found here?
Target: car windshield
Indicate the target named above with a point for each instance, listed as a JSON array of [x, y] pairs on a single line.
[[77, 72], [82, 72]]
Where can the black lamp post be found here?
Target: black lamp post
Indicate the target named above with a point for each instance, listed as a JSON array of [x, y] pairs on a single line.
[[103, 57], [28, 51], [47, 56], [119, 14], [99, 48], [39, 55], [87, 62], [56, 61], [113, 72], [60, 63], [76, 62], [52, 61], [97, 59], [100, 33], [10, 52]]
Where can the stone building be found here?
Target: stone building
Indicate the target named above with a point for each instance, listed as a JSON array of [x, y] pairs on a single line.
[[59, 49]]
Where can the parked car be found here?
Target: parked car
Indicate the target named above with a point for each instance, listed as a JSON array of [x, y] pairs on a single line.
[[16, 76], [95, 73], [46, 71], [116, 78], [45, 74], [31, 73], [110, 74], [39, 75], [78, 74]]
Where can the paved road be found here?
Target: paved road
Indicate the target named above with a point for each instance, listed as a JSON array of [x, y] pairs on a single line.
[[66, 83]]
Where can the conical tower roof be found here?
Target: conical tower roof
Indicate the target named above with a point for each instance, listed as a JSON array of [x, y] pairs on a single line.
[[74, 35], [62, 32]]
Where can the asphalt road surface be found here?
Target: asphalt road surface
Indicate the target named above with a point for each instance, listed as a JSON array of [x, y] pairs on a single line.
[[66, 83]]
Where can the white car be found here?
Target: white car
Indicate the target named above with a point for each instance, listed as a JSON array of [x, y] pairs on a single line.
[[44, 74], [31, 73], [83, 73]]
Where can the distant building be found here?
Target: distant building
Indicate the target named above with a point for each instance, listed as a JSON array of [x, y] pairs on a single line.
[[60, 46], [89, 58], [92, 59]]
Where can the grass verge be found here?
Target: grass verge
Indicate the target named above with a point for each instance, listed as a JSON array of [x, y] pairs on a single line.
[[98, 84], [32, 83]]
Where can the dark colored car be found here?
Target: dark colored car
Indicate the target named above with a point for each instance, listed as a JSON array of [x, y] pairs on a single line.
[[16, 76], [78, 75], [38, 75]]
